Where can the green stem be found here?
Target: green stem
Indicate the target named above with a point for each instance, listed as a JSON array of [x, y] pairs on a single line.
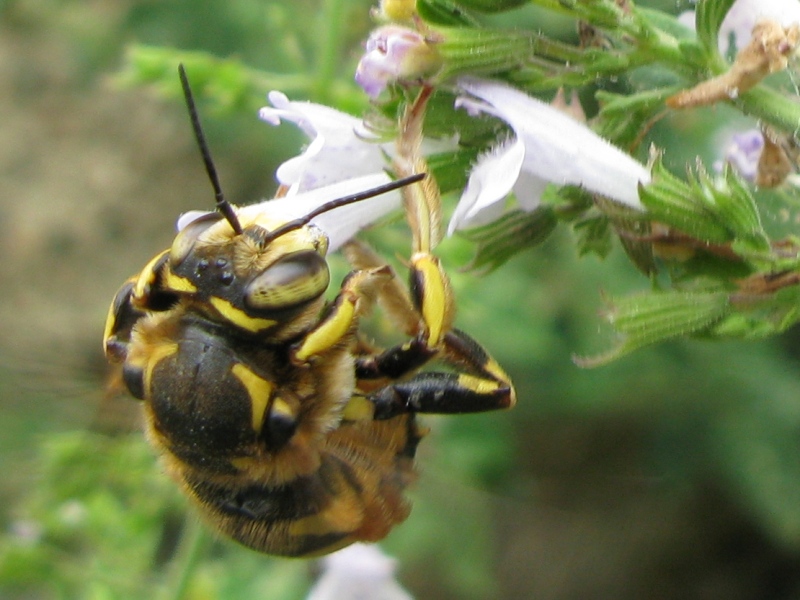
[[328, 48], [192, 544], [771, 106]]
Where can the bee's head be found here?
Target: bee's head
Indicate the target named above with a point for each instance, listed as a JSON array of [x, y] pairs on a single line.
[[248, 267], [256, 279]]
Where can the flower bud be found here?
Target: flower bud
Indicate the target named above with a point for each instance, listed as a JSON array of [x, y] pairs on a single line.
[[393, 54], [742, 153], [397, 10]]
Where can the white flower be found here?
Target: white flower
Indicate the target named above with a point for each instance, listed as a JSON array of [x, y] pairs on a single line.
[[339, 161], [339, 224], [358, 572], [342, 158], [340, 146], [547, 147]]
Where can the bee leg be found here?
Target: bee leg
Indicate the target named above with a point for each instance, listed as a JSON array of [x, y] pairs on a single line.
[[338, 325], [482, 386], [428, 312], [122, 316], [440, 393], [429, 287], [432, 297], [142, 292], [395, 362]]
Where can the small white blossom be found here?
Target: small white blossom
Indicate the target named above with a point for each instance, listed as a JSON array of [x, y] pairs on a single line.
[[340, 147], [340, 224], [342, 158], [358, 572], [548, 146]]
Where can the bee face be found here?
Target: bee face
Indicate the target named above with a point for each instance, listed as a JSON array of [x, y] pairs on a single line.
[[247, 280]]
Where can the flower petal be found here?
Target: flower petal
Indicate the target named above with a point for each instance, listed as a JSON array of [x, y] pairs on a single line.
[[490, 181], [357, 572], [339, 148], [190, 217], [558, 148], [340, 224], [529, 189], [743, 152]]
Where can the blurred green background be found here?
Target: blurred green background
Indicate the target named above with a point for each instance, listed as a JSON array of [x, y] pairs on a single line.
[[672, 473]]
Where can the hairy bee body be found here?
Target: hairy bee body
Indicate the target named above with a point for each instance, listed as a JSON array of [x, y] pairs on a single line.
[[272, 485], [291, 434]]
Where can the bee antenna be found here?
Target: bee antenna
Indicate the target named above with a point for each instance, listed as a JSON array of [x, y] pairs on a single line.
[[223, 206], [338, 203]]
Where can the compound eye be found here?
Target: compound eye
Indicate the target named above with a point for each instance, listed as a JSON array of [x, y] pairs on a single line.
[[292, 280], [187, 237]]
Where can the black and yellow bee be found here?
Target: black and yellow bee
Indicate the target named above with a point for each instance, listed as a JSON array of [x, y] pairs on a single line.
[[292, 434]]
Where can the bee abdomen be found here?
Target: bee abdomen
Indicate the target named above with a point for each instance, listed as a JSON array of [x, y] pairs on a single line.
[[341, 502]]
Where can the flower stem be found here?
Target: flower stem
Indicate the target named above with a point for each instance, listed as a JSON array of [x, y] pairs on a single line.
[[193, 541], [328, 49], [770, 106]]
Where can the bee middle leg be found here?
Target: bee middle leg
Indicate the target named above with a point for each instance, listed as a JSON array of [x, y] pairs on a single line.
[[353, 299]]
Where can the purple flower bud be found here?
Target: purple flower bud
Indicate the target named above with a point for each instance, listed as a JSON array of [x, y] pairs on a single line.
[[395, 53], [742, 153]]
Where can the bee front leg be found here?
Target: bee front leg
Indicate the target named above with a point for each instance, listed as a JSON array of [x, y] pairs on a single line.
[[142, 292], [337, 325]]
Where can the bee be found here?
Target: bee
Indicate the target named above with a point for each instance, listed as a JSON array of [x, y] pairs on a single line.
[[291, 433]]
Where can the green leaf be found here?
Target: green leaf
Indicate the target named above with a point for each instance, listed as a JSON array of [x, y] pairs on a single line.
[[761, 317], [231, 85], [634, 235], [708, 18], [509, 235], [476, 50], [490, 6], [740, 208], [647, 319], [594, 235], [665, 22], [693, 52], [445, 12], [621, 117], [451, 169], [676, 204], [228, 83]]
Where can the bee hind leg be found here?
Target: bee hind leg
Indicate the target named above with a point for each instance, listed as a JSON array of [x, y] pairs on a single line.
[[481, 385]]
